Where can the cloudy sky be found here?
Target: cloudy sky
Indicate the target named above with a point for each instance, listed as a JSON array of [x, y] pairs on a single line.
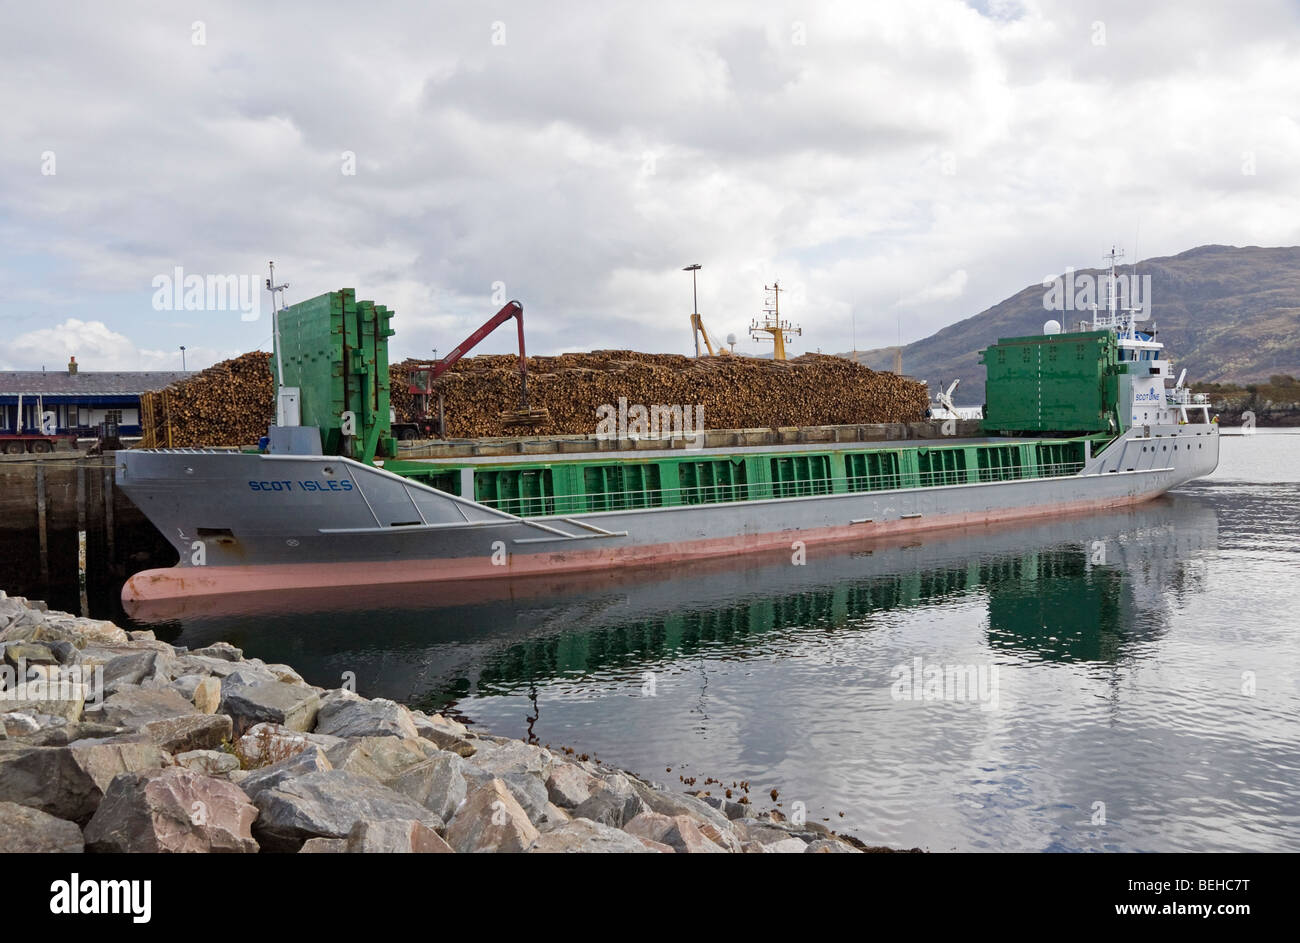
[[897, 165]]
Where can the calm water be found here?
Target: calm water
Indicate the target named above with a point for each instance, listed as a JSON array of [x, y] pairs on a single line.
[[1142, 665]]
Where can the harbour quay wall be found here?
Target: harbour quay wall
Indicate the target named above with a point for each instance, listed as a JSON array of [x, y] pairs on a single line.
[[64, 525]]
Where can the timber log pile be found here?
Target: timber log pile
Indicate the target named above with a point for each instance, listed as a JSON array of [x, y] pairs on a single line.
[[736, 392], [230, 403]]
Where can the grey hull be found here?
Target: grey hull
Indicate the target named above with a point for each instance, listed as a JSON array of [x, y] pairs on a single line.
[[250, 522]]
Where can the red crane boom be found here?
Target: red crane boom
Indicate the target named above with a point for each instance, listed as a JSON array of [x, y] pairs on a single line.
[[423, 375], [512, 309]]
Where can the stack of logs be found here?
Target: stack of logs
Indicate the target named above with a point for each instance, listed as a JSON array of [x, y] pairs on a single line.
[[233, 402], [735, 392]]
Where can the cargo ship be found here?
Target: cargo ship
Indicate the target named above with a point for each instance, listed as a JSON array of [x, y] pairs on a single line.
[[1073, 421]]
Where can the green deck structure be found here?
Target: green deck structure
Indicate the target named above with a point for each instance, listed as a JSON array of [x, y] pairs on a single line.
[[1064, 383], [335, 350], [618, 484]]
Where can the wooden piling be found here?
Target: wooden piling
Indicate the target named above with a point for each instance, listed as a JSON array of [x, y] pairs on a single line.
[[110, 541], [42, 528], [81, 539]]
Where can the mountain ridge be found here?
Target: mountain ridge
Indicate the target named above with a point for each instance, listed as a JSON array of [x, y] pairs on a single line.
[[1229, 314]]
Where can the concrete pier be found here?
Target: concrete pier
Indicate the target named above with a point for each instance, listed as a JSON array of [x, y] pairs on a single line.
[[66, 533]]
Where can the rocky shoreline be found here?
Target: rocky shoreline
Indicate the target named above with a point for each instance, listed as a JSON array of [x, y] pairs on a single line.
[[114, 741], [1267, 416]]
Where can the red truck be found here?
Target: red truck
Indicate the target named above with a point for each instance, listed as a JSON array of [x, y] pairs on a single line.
[[16, 443]]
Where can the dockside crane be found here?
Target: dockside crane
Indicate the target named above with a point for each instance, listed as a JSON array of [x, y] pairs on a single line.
[[697, 328], [423, 376]]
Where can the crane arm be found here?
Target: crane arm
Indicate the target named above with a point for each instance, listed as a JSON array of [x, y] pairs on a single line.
[[512, 309], [698, 324], [707, 343], [422, 377]]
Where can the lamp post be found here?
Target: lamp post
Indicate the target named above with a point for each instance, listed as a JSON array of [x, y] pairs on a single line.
[[695, 306], [182, 358]]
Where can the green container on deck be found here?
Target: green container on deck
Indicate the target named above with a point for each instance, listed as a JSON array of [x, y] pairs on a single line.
[[1053, 383], [335, 350]]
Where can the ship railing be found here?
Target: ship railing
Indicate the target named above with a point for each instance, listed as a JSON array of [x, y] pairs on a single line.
[[195, 450], [641, 499], [1182, 396], [1104, 320]]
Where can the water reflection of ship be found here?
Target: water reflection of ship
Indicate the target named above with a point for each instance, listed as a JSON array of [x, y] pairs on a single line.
[[1091, 601], [1049, 592], [1080, 601]]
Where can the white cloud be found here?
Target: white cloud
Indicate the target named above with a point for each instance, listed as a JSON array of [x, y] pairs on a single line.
[[867, 152], [946, 289], [96, 347]]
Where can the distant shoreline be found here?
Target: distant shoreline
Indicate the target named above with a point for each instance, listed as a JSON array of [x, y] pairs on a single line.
[[1288, 419], [1233, 431]]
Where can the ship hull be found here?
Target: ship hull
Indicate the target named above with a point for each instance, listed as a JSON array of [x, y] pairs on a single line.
[[252, 523]]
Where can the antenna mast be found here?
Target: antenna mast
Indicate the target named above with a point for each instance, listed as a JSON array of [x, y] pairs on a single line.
[[277, 296], [772, 323]]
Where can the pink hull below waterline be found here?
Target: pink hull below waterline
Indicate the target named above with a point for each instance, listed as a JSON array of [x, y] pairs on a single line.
[[175, 583]]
